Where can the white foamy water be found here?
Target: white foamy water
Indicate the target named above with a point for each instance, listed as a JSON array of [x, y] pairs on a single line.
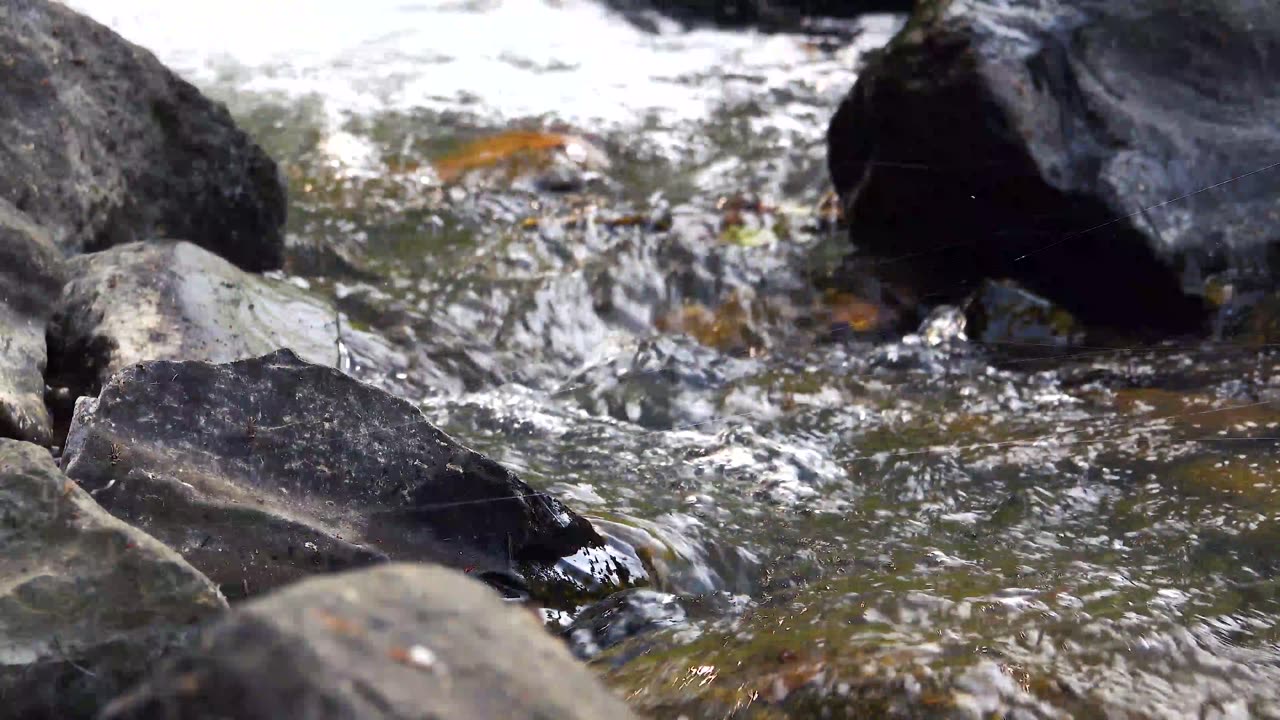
[[573, 59]]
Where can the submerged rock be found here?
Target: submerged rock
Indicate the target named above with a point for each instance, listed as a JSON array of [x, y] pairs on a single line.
[[87, 603], [1007, 318], [176, 301], [263, 471], [393, 642], [619, 617], [103, 145], [1071, 147], [31, 273]]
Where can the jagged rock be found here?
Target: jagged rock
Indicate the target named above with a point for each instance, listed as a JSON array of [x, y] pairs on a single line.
[[31, 274], [87, 603], [263, 471], [397, 641], [176, 301], [102, 145], [1068, 146]]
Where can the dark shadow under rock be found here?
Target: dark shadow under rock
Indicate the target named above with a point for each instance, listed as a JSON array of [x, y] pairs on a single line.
[[87, 603], [263, 471], [31, 273], [398, 641], [103, 145]]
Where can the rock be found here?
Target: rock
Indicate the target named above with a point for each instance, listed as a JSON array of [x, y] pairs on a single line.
[[398, 641], [1065, 146], [103, 145], [1012, 320], [263, 471], [31, 274], [176, 301], [87, 603], [764, 14], [619, 617]]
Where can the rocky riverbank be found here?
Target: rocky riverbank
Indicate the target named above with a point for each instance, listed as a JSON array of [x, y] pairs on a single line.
[[598, 361]]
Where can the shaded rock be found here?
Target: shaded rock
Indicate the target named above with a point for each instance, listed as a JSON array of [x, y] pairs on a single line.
[[31, 274], [176, 301], [263, 471], [1009, 318], [1069, 146], [768, 15], [394, 642], [103, 145], [87, 603]]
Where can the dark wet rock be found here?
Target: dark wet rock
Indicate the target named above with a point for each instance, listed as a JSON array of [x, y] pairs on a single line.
[[621, 616], [87, 603], [177, 301], [263, 471], [31, 273], [1065, 145], [393, 642], [1007, 318], [764, 14], [103, 145]]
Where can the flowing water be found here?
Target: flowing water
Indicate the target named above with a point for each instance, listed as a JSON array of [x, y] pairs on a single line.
[[618, 294]]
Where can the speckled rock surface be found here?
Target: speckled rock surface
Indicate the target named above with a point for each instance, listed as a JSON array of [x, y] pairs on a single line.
[[87, 603], [102, 145], [263, 471]]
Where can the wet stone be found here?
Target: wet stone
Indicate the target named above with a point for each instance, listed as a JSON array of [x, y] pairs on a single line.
[[263, 471], [1078, 151], [31, 273], [87, 603], [393, 642]]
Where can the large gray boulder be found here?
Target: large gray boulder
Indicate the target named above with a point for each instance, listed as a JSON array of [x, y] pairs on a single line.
[[177, 301], [31, 274], [1108, 155], [87, 603], [400, 641], [102, 145], [263, 471]]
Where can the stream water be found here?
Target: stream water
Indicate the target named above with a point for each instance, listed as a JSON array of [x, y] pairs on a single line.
[[837, 526]]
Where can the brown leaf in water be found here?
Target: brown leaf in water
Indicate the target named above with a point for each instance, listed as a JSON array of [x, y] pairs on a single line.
[[522, 149]]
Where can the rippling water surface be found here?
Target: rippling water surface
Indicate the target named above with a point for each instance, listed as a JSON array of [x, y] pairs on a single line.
[[836, 527]]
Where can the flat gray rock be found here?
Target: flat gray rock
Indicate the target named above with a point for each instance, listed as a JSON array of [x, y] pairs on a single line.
[[31, 274], [399, 641], [87, 603], [103, 145], [264, 471], [177, 301]]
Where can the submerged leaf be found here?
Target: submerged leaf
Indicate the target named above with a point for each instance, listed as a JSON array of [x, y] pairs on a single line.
[[521, 151]]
